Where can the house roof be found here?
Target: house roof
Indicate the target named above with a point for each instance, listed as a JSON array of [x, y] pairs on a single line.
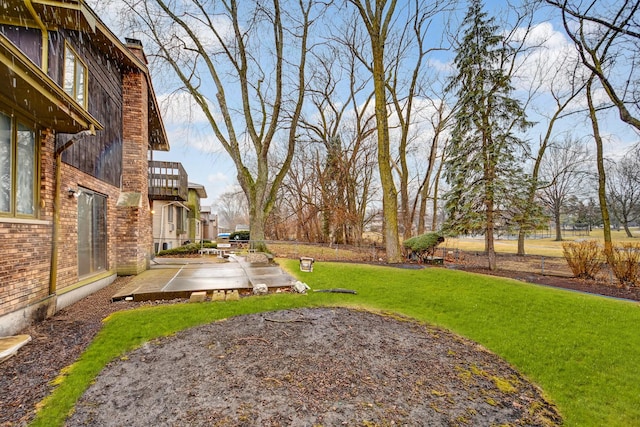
[[199, 189], [58, 110]]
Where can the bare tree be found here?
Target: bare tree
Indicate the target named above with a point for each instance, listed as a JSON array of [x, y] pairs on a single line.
[[244, 64], [299, 200], [562, 176], [440, 123], [377, 17], [607, 37], [562, 81], [341, 129], [623, 189], [232, 208], [405, 87]]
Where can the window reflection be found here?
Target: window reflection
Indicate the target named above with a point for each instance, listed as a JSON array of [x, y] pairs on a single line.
[[18, 168], [26, 171], [5, 163]]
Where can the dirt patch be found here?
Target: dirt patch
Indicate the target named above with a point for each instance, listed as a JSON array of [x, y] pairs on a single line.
[[312, 367]]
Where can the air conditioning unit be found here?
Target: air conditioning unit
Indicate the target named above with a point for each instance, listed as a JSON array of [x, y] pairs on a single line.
[[172, 227]]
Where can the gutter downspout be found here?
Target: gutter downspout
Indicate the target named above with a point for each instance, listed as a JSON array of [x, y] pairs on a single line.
[[53, 271], [45, 36]]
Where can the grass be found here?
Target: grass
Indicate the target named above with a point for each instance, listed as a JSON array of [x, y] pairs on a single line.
[[544, 247], [582, 350]]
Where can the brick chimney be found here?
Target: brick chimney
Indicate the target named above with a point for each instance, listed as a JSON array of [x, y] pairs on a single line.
[[134, 235]]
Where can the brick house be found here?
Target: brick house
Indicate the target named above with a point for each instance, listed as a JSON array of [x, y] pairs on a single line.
[[78, 117]]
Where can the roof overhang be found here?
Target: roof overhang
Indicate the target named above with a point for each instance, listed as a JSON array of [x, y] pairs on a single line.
[[76, 15], [199, 189], [34, 93]]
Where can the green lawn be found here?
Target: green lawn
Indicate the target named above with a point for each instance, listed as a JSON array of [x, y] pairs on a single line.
[[582, 350]]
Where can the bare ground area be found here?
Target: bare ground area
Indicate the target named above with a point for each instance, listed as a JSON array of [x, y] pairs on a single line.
[[311, 367], [322, 366]]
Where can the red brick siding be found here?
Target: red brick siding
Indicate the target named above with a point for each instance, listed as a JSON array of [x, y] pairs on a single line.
[[68, 236], [134, 235], [25, 252]]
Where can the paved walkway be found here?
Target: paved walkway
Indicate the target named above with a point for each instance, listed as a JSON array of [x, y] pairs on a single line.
[[171, 278]]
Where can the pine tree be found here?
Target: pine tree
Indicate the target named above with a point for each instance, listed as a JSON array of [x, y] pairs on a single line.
[[484, 169]]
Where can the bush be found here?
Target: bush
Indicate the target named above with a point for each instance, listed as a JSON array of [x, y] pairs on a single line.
[[422, 246], [188, 249], [584, 258], [625, 264]]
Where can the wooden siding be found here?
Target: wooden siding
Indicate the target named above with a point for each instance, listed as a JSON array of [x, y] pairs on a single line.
[[56, 56], [29, 40], [100, 155]]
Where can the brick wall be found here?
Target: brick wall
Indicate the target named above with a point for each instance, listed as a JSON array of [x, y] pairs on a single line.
[[25, 252], [134, 235], [68, 236]]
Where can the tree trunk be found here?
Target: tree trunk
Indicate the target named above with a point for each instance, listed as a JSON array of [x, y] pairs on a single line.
[[602, 191], [522, 234], [489, 245], [256, 230], [556, 217], [424, 192], [436, 187], [389, 192]]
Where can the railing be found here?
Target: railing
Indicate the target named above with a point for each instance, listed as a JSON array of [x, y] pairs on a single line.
[[168, 181]]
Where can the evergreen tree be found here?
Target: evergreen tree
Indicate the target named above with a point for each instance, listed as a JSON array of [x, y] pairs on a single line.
[[485, 155]]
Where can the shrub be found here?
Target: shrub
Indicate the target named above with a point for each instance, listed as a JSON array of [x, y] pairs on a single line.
[[584, 258], [422, 246], [188, 249], [625, 264]]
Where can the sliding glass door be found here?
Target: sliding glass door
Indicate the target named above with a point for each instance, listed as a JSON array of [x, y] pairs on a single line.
[[92, 233]]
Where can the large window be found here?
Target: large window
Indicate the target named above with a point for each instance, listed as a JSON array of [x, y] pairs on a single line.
[[181, 220], [75, 76], [18, 168], [92, 233], [170, 214]]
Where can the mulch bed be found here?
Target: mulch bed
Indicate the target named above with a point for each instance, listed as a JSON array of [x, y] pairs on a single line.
[[57, 342]]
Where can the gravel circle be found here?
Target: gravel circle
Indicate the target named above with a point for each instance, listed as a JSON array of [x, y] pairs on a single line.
[[322, 366]]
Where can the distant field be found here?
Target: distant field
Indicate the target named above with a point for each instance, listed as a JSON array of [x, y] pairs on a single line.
[[547, 247], [544, 247]]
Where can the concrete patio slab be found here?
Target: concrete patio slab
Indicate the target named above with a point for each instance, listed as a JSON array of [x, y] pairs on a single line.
[[179, 277]]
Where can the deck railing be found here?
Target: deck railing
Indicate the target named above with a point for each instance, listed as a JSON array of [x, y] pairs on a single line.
[[168, 181]]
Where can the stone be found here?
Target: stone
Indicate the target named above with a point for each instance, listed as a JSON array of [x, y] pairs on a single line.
[[232, 295], [260, 289], [199, 296], [218, 296], [300, 287]]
